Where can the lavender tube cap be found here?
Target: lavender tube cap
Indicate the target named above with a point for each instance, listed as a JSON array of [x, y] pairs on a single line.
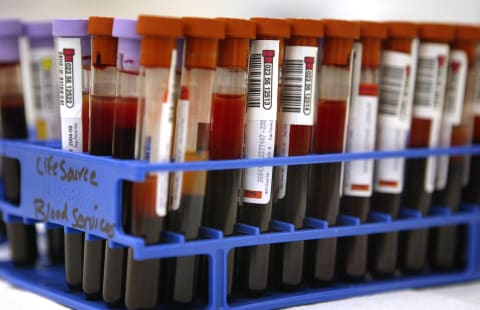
[[73, 28], [39, 34], [128, 51], [10, 30]]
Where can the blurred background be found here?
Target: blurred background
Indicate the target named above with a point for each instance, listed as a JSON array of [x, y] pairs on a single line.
[[415, 10]]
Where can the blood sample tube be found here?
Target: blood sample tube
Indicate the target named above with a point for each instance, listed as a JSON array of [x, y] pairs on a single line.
[[73, 64], [362, 123], [123, 147], [295, 137], [22, 238], [397, 82], [191, 144], [146, 215], [46, 109], [266, 57], [102, 100], [340, 60], [471, 192], [428, 103], [456, 130], [227, 130]]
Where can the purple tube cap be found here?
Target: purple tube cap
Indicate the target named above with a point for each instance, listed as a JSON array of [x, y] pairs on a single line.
[[38, 29], [10, 27], [68, 27], [125, 28]]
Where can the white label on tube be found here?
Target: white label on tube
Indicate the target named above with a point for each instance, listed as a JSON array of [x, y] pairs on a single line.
[[263, 80], [476, 98], [358, 175], [181, 129], [44, 98], [430, 97], [283, 145], [452, 113], [162, 140], [431, 80], [412, 79], [257, 182], [456, 81], [69, 57], [298, 82], [261, 118], [393, 119], [442, 161], [354, 87]]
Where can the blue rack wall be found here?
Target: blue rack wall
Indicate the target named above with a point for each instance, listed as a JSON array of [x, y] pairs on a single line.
[[82, 193]]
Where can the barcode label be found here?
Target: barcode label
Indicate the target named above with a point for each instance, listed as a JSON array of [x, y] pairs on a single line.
[[393, 97], [431, 80], [426, 82], [456, 82], [292, 82], [69, 66], [263, 80], [393, 118], [298, 85], [392, 89]]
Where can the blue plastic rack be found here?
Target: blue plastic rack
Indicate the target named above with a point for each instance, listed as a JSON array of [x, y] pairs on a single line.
[[82, 193]]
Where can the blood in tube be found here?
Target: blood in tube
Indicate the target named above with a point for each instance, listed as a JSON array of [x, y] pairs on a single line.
[[102, 99], [123, 145], [456, 131], [73, 47], [46, 109], [265, 65], [294, 137], [226, 135], [145, 213], [425, 131], [358, 175], [22, 238], [125, 127], [395, 104], [101, 124], [336, 72]]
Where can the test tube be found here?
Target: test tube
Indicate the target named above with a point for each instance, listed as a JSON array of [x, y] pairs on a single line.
[[46, 109], [22, 238], [123, 145], [456, 130], [471, 192], [362, 125], [73, 64], [146, 215], [265, 65], [428, 104], [227, 130], [193, 121], [340, 61], [102, 100], [397, 82], [294, 137]]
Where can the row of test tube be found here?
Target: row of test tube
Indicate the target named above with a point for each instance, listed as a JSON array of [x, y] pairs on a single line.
[[189, 89]]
